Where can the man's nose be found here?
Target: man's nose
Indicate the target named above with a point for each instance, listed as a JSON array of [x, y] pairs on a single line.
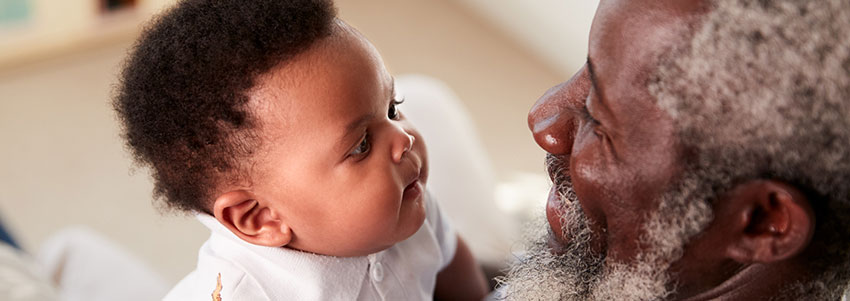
[[552, 118]]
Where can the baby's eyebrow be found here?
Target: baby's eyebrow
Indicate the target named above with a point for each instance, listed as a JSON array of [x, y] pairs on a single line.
[[358, 122], [353, 126], [392, 88]]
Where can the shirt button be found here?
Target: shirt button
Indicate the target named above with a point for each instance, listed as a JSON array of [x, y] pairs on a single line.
[[377, 272]]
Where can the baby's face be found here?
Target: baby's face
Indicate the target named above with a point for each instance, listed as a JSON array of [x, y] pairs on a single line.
[[339, 163]]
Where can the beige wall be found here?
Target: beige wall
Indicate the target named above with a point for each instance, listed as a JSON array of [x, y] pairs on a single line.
[[62, 164]]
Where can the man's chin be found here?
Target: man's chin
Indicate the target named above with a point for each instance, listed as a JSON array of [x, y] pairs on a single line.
[[558, 263], [569, 265], [554, 271], [550, 270], [555, 244]]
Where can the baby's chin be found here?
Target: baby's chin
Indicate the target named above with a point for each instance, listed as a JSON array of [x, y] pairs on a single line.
[[411, 216]]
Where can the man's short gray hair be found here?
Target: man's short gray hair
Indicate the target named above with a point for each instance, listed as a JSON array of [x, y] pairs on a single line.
[[763, 91]]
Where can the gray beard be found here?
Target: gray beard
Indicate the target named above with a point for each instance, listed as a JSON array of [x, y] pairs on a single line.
[[580, 274]]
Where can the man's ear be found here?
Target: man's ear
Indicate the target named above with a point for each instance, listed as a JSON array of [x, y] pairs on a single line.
[[251, 220], [769, 221]]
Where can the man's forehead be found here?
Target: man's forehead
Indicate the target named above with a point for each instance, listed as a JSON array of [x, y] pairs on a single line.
[[631, 34]]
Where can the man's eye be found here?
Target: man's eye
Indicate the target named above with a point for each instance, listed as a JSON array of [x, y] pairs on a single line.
[[585, 115], [362, 148], [581, 113], [392, 113]]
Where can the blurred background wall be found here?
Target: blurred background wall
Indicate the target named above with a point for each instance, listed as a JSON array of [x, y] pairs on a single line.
[[62, 162]]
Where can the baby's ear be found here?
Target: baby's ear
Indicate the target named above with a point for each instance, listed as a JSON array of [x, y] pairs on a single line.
[[251, 220]]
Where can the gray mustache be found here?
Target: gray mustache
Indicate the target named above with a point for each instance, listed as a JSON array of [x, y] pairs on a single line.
[[559, 171]]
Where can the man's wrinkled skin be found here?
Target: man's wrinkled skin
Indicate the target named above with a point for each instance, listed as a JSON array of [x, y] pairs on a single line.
[[617, 167]]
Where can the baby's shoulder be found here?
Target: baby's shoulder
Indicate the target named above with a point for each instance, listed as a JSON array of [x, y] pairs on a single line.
[[220, 278]]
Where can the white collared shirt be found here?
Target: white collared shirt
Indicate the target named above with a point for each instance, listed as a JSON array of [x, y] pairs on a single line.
[[405, 271]]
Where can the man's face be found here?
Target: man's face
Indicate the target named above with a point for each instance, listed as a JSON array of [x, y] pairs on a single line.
[[610, 142]]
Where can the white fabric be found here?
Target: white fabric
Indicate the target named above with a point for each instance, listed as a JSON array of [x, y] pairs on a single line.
[[406, 271], [89, 267], [20, 279]]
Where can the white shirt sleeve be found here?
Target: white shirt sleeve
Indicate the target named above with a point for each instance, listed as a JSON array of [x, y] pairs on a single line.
[[443, 230]]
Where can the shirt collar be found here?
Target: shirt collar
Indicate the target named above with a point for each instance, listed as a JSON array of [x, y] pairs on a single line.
[[332, 278]]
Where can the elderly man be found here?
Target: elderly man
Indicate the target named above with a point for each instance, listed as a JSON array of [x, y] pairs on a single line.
[[702, 152]]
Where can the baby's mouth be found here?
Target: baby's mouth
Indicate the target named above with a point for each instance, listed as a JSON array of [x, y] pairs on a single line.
[[415, 179], [413, 190]]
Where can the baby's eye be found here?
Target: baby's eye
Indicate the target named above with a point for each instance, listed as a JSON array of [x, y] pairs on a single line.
[[393, 111], [362, 148]]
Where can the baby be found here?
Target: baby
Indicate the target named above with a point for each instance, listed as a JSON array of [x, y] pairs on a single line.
[[278, 126]]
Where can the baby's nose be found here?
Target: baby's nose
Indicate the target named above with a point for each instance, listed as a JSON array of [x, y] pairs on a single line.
[[404, 145]]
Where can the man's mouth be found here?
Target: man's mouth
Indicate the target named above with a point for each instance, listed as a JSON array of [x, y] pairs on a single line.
[[555, 215], [557, 168], [560, 203]]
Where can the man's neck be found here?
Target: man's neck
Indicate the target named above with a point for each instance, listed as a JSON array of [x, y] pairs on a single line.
[[760, 282]]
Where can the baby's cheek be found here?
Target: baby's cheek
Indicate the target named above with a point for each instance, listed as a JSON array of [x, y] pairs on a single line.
[[383, 219]]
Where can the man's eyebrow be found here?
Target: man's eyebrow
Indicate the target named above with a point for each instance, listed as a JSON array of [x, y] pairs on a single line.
[[601, 101], [592, 75]]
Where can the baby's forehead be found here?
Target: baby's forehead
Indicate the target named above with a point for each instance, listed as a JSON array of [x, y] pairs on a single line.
[[319, 92], [312, 112]]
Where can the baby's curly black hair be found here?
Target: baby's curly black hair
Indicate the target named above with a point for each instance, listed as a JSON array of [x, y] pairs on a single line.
[[182, 94]]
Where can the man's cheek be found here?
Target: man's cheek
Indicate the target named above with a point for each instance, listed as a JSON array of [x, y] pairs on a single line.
[[593, 185], [588, 168]]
